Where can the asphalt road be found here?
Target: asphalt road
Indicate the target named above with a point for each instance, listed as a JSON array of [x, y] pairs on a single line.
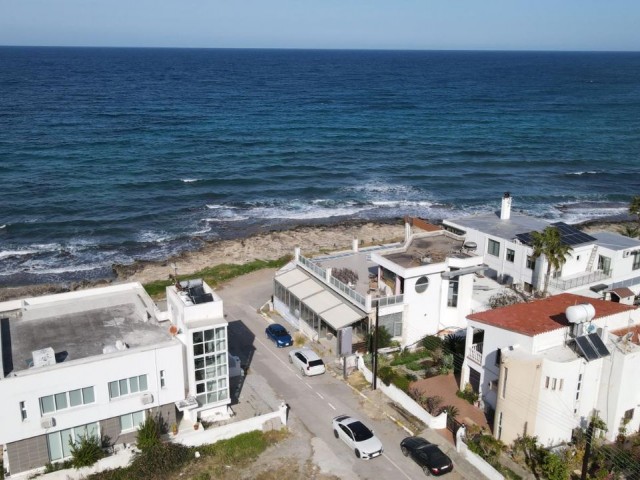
[[313, 400]]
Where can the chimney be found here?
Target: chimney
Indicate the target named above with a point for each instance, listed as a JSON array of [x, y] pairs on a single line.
[[505, 210]]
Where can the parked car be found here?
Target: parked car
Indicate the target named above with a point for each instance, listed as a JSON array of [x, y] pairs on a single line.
[[358, 436], [279, 335], [307, 361], [428, 455]]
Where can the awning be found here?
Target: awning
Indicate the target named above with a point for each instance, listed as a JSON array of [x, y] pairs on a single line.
[[598, 288], [622, 292], [331, 307]]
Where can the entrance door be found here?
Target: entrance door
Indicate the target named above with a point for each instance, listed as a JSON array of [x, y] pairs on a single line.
[[474, 380]]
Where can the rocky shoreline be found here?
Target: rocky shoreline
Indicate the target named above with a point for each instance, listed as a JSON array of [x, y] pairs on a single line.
[[271, 245]]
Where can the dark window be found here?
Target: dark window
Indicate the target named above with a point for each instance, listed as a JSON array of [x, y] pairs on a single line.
[[422, 284], [493, 248], [628, 415], [511, 255], [636, 260], [531, 262], [498, 356], [452, 294]]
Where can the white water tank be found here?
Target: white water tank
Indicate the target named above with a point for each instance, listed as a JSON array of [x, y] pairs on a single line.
[[581, 313]]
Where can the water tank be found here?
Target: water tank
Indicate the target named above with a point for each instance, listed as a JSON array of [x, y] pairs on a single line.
[[581, 313]]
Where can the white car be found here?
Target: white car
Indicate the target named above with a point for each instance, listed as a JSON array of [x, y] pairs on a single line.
[[307, 361], [356, 434]]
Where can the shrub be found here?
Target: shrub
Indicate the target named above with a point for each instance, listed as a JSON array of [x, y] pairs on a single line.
[[487, 447], [385, 374], [433, 404], [384, 338], [156, 461], [402, 382], [431, 343], [86, 452], [149, 433], [451, 410], [237, 449], [468, 394]]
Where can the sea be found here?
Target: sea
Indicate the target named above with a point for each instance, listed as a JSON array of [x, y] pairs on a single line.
[[113, 155]]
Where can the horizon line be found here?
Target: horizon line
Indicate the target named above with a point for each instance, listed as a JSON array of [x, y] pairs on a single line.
[[497, 50]]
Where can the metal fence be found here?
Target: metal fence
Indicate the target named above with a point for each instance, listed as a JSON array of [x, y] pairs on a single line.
[[385, 301], [567, 284]]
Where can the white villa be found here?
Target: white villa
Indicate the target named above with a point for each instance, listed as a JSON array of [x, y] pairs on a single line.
[[544, 367], [100, 361], [422, 286], [597, 262]]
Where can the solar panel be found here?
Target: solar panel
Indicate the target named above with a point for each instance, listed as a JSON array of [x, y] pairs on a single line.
[[569, 235], [587, 350], [598, 344]]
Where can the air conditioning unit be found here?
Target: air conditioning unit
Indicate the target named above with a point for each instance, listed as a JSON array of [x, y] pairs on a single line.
[[147, 398], [47, 422]]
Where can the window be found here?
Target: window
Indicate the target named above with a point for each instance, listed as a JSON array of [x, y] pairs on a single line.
[[531, 262], [561, 384], [498, 356], [59, 443], [126, 386], [511, 255], [628, 415], [499, 425], [504, 383], [452, 293], [579, 386], [23, 411], [63, 400], [547, 381], [636, 261], [422, 284], [493, 248], [604, 264], [210, 365], [162, 379], [554, 383], [131, 421]]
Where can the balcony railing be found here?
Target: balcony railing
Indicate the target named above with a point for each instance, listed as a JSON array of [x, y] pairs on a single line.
[[568, 283], [385, 301], [475, 353]]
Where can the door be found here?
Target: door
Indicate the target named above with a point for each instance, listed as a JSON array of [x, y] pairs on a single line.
[[474, 380]]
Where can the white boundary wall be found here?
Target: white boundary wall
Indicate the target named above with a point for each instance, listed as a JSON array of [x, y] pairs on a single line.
[[404, 400], [477, 461]]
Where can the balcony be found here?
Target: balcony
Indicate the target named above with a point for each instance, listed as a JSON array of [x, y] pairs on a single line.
[[579, 280], [475, 353]]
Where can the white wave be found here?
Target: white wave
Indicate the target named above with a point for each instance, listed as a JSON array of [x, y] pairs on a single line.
[[587, 172], [202, 232], [217, 207], [74, 268], [3, 226], [190, 180], [153, 237], [16, 253]]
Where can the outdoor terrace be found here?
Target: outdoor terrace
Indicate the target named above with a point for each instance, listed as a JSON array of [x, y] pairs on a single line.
[[429, 249]]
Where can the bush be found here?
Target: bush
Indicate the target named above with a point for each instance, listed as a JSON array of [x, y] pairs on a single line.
[[431, 343], [158, 460], [86, 452], [468, 394], [384, 338], [237, 449], [386, 374], [149, 433]]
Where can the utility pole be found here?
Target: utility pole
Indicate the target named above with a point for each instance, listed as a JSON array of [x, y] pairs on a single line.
[[375, 349]]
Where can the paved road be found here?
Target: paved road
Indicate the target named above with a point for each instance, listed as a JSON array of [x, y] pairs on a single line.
[[313, 400]]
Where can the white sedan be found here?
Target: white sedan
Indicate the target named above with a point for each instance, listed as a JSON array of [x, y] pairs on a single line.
[[358, 436], [307, 361]]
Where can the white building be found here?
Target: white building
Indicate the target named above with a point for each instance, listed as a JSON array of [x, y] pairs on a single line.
[[598, 261], [421, 287], [542, 368], [100, 361]]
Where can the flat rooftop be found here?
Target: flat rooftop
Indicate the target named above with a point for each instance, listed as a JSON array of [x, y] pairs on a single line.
[[615, 241], [491, 224], [427, 250], [80, 334]]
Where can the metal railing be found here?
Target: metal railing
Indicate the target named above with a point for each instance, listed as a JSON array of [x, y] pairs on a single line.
[[566, 284], [475, 353], [385, 301], [348, 291], [315, 269]]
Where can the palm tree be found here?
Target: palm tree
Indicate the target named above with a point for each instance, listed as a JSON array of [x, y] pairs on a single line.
[[630, 231], [634, 206], [549, 244]]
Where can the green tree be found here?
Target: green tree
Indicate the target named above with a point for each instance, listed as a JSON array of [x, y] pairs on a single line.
[[631, 231], [634, 207], [548, 244], [384, 338], [554, 467]]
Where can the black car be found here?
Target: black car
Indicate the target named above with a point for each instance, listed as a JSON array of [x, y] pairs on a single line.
[[427, 455]]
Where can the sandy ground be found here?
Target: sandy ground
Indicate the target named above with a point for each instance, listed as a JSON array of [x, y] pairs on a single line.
[[263, 246]]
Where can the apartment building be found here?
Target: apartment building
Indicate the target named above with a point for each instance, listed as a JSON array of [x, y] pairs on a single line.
[[98, 362]]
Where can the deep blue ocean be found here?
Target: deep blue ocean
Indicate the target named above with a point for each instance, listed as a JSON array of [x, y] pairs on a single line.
[[113, 155]]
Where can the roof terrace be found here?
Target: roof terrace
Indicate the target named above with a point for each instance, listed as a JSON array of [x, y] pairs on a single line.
[[434, 248]]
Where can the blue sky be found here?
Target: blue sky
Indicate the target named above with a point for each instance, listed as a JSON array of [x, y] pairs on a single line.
[[368, 24]]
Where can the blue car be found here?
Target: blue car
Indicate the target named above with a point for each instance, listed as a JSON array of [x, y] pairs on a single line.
[[279, 335]]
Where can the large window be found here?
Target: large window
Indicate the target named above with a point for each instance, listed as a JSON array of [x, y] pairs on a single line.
[[604, 264], [531, 262], [64, 400], [636, 260], [127, 386], [392, 323], [131, 421], [493, 248], [452, 293], [59, 443], [210, 362]]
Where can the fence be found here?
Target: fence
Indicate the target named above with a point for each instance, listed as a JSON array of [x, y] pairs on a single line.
[[570, 283]]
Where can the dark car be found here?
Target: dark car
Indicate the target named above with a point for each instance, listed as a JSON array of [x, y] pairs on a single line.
[[279, 335], [427, 455]]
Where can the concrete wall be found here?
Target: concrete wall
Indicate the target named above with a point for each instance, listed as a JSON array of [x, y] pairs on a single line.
[[27, 454]]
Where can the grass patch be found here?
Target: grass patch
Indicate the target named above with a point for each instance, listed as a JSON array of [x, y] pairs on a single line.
[[213, 276], [405, 358]]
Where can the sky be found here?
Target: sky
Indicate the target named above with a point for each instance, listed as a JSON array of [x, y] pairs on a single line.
[[331, 24]]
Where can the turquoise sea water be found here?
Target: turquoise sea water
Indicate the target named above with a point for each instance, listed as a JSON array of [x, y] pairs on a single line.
[[112, 155]]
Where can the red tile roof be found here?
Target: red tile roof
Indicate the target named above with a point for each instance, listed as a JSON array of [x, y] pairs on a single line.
[[634, 331], [541, 316]]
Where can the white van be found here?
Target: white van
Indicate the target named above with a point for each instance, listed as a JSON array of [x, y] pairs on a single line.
[[307, 361]]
